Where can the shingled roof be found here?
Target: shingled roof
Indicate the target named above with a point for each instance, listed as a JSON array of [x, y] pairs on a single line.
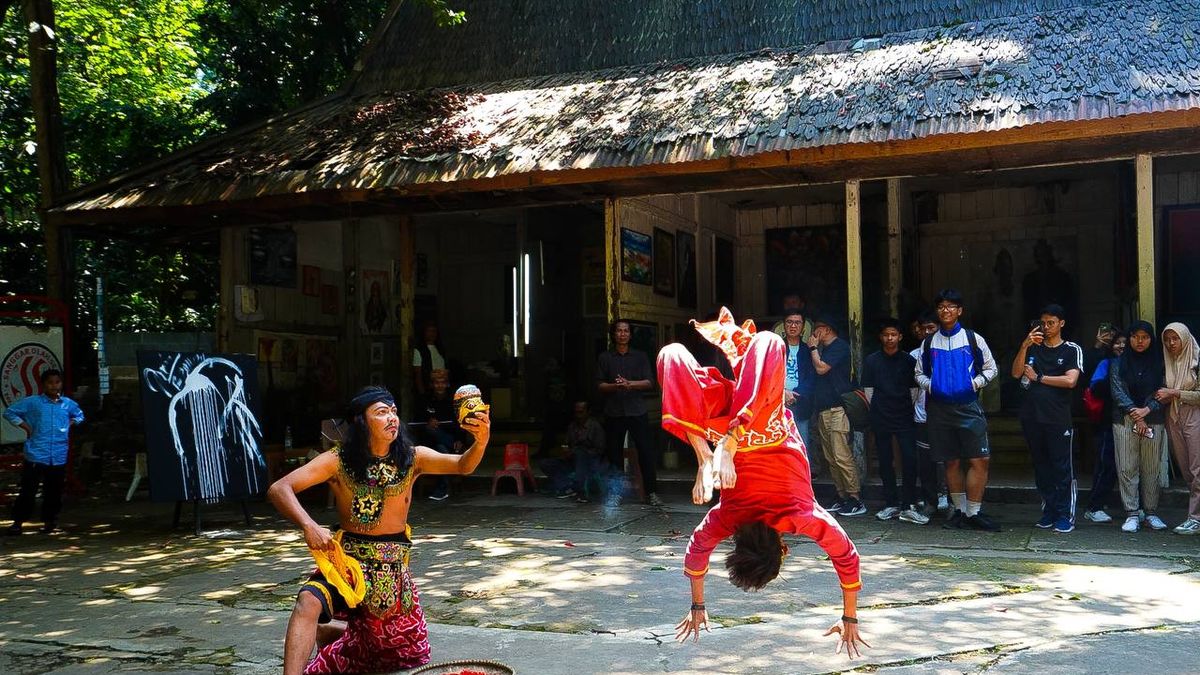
[[1087, 61]]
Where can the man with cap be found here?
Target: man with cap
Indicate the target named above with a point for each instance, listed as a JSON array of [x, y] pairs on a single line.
[[376, 624]]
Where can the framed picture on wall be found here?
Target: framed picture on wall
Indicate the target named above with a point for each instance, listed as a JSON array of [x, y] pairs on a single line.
[[594, 303], [272, 257], [636, 260], [722, 267], [311, 280], [643, 336], [685, 269], [664, 262], [1183, 260]]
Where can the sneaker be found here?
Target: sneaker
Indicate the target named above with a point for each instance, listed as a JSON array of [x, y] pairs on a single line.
[[1132, 524], [943, 503], [564, 494], [654, 501], [888, 513], [926, 510], [1098, 516], [979, 521], [1046, 522], [1155, 523], [836, 507], [853, 507], [1189, 526], [914, 516], [957, 521], [1063, 525]]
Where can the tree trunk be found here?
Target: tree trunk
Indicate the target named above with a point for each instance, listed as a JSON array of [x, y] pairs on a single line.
[[51, 150]]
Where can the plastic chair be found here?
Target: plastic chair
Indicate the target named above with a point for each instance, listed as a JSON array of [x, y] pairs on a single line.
[[516, 466]]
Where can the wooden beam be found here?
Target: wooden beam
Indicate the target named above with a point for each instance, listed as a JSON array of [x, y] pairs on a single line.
[[408, 286], [895, 242], [854, 279], [227, 272], [1145, 237], [612, 259]]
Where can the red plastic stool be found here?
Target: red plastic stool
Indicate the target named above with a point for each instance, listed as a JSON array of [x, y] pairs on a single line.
[[516, 466]]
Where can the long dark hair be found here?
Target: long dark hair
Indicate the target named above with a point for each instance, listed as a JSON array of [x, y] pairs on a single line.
[[356, 449], [756, 557]]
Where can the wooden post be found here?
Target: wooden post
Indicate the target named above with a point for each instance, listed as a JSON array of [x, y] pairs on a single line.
[[895, 249], [854, 291], [407, 299], [1145, 237], [51, 149], [228, 273], [612, 259]]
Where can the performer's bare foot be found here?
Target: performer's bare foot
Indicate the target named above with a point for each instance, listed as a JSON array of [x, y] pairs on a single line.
[[723, 463], [702, 491]]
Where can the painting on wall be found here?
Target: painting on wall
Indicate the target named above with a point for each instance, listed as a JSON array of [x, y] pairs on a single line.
[[272, 257], [664, 262], [321, 363], [1183, 265], [203, 436], [636, 256], [722, 266], [376, 301], [806, 260], [685, 269], [310, 280]]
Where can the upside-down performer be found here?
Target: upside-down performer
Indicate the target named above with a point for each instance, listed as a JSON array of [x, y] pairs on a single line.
[[760, 465], [361, 606]]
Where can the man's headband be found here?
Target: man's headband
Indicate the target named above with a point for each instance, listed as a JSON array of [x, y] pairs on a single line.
[[368, 397]]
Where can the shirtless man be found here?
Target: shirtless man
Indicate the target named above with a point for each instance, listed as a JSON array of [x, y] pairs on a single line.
[[371, 476]]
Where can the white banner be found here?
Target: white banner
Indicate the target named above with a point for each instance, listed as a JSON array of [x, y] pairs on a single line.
[[25, 351]]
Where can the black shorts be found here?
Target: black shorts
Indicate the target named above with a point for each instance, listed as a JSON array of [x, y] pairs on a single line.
[[956, 431]]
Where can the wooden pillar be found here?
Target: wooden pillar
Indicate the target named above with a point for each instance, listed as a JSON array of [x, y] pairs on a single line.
[[407, 300], [854, 291], [228, 272], [895, 239], [612, 259], [1145, 237]]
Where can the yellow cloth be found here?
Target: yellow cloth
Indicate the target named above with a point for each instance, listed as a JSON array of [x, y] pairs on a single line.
[[342, 571]]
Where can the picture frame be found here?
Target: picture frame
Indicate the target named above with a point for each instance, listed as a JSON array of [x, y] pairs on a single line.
[[637, 261], [723, 271], [685, 269], [594, 303], [271, 254], [664, 263], [377, 353], [310, 280]]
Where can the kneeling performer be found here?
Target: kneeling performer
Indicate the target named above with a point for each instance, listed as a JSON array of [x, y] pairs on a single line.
[[362, 605]]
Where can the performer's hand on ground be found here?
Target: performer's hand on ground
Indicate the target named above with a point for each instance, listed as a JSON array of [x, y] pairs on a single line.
[[848, 638], [318, 537], [691, 625], [479, 425]]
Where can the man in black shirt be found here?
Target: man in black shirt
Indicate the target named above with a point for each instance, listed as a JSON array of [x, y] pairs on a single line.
[[1049, 367], [831, 359], [622, 376], [889, 383]]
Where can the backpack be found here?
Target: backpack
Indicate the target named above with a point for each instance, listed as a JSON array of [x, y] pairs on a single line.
[[976, 353]]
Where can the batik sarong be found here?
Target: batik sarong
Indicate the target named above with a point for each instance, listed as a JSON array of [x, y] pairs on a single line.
[[386, 631]]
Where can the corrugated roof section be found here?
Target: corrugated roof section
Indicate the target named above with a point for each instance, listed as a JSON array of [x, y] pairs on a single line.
[[1081, 63]]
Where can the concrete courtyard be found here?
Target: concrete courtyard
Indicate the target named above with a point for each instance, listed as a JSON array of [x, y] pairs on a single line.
[[552, 587]]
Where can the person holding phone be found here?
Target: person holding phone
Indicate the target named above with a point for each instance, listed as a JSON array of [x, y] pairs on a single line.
[[1049, 367]]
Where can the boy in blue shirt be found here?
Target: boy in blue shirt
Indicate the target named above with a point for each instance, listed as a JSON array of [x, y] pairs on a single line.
[[47, 419]]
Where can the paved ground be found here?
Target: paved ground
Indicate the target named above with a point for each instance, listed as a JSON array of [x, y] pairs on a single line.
[[552, 587]]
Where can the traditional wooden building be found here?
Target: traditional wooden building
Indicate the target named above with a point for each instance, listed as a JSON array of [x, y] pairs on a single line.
[[546, 167]]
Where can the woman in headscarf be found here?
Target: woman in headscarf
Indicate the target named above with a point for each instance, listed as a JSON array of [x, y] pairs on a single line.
[[1138, 432], [1182, 398]]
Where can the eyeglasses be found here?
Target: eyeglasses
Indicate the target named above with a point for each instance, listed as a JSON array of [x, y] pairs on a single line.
[[947, 308], [793, 323]]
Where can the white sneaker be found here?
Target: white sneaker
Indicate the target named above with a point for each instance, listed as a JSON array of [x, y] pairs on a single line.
[[888, 513], [1155, 523], [943, 503], [1098, 516], [1189, 526], [1131, 524], [912, 515]]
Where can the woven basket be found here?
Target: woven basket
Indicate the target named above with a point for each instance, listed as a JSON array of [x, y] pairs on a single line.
[[489, 667]]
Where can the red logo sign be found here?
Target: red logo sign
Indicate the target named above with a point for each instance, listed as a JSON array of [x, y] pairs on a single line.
[[21, 370]]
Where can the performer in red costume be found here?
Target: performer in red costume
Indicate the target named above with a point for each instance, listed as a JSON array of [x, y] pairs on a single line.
[[760, 465]]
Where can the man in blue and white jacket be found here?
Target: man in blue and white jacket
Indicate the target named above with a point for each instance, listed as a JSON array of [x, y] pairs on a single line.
[[955, 364]]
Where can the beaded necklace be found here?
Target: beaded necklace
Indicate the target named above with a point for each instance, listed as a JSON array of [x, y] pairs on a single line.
[[384, 479]]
